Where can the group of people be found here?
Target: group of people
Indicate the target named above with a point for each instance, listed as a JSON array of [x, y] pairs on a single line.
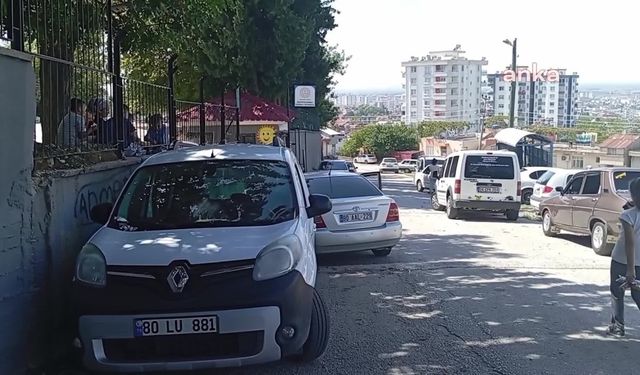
[[89, 123]]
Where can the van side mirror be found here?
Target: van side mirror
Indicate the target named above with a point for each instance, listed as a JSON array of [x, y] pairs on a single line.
[[318, 205], [100, 213]]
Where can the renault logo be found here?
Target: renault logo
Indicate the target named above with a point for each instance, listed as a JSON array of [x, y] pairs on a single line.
[[177, 279]]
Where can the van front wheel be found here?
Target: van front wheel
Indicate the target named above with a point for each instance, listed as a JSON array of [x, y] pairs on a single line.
[[318, 339]]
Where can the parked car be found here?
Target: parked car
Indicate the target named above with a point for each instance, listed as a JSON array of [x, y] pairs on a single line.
[[352, 167], [408, 165], [529, 177], [591, 204], [389, 165], [547, 185], [362, 218], [207, 259], [334, 165], [366, 159], [481, 181]]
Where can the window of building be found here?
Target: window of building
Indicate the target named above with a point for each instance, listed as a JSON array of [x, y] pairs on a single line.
[[440, 68], [414, 69], [454, 68], [440, 102], [413, 91], [500, 96], [500, 105], [501, 88], [454, 103], [413, 103], [577, 162], [441, 79], [615, 151], [413, 81]]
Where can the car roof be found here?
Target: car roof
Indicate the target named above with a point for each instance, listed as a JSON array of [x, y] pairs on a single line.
[[483, 152], [327, 174], [217, 152]]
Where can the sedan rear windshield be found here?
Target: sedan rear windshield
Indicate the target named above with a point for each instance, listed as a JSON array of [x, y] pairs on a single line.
[[546, 177], [217, 193], [489, 166], [622, 179], [343, 187]]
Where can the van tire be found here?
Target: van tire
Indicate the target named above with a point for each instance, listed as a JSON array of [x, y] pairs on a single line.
[[318, 338], [419, 186], [452, 212], [512, 215], [599, 244]]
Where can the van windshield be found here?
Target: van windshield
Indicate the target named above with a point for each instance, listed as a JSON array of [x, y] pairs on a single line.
[[219, 193], [489, 166]]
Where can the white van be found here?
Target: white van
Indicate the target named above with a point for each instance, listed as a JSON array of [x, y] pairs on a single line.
[[479, 180]]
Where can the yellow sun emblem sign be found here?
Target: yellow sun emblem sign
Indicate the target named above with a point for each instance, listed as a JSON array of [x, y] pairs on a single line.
[[265, 135]]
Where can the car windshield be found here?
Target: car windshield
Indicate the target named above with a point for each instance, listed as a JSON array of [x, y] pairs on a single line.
[[343, 187], [220, 193], [546, 177], [489, 166], [622, 179], [389, 160]]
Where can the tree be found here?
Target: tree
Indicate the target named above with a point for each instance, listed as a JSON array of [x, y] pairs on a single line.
[[496, 120], [437, 128], [366, 110], [381, 140]]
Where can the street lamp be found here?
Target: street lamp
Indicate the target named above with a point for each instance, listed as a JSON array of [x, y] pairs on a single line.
[[512, 106]]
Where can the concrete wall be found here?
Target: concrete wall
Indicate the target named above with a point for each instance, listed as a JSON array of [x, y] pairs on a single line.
[[19, 263], [44, 222]]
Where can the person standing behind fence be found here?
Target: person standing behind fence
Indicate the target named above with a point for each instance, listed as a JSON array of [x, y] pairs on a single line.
[[157, 132], [71, 129], [624, 259], [97, 129]]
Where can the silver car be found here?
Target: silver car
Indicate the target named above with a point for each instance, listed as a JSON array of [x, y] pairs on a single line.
[[362, 218]]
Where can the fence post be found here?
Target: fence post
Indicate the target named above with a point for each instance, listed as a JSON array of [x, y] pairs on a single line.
[[16, 23], [203, 129], [171, 69], [223, 130], [118, 99]]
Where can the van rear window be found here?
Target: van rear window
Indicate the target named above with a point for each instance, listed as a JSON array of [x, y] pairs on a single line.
[[489, 166]]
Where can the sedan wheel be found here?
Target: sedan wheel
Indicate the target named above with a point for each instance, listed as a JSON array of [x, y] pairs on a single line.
[[419, 186], [382, 252], [547, 226], [599, 242]]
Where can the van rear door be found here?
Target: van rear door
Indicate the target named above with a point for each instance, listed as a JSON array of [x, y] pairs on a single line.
[[490, 177]]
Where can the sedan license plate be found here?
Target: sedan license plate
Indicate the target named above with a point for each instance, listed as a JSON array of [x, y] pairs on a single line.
[[175, 326], [488, 189], [355, 217]]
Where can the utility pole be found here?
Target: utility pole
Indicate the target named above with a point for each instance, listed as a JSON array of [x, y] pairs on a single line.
[[514, 55]]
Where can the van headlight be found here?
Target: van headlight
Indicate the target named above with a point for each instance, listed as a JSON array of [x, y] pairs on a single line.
[[91, 267], [278, 258]]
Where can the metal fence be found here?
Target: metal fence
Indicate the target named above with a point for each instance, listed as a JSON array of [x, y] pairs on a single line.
[[84, 103]]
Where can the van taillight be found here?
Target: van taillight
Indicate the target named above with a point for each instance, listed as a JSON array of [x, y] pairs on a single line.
[[547, 189], [519, 193], [394, 212], [457, 187], [319, 222]]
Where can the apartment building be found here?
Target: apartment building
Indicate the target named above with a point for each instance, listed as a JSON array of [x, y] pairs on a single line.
[[444, 85], [551, 102]]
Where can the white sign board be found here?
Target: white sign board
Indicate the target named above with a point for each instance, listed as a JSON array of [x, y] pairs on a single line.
[[304, 96]]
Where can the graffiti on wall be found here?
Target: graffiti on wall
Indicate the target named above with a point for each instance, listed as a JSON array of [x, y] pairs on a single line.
[[96, 192]]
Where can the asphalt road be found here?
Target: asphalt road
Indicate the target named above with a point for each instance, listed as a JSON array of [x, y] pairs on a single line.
[[479, 296], [474, 296]]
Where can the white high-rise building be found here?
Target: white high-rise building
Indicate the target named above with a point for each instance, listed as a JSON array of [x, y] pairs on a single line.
[[443, 85], [537, 102]]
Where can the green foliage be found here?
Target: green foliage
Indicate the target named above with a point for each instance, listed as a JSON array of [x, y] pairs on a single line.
[[260, 45], [381, 140], [603, 127], [367, 110], [496, 120], [436, 128]]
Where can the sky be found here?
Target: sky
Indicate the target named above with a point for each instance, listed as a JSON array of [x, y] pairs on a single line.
[[594, 39]]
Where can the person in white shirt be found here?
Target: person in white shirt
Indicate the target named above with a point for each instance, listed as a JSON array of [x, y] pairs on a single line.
[[71, 129], [623, 261]]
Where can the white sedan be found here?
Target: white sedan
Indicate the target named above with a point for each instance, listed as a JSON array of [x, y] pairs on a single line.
[[389, 164], [362, 218]]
